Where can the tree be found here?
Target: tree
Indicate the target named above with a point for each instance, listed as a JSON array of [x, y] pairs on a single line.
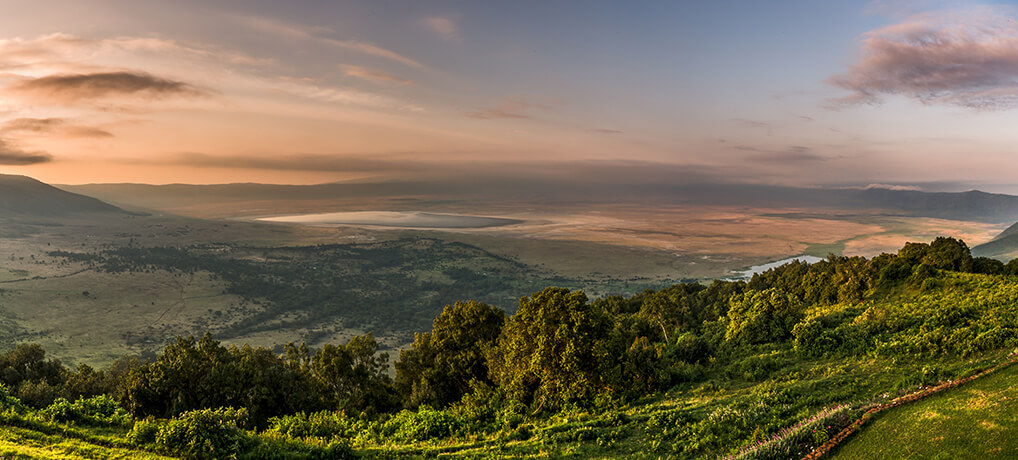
[[673, 307], [762, 316], [555, 349], [353, 376], [947, 253], [438, 368]]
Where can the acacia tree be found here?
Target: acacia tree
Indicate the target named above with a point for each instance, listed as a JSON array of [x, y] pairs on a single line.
[[556, 348], [438, 368]]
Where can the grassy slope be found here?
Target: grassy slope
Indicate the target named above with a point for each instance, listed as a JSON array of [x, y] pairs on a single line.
[[758, 390], [62, 442], [979, 419]]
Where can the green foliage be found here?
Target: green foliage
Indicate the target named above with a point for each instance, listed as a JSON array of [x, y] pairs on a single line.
[[35, 380], [727, 366], [555, 349], [9, 402], [421, 425], [325, 425], [762, 316], [192, 374], [353, 376], [97, 410], [144, 432], [206, 434], [948, 253], [438, 368]]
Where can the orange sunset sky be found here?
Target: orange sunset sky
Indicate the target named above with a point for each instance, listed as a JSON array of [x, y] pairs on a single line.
[[913, 94]]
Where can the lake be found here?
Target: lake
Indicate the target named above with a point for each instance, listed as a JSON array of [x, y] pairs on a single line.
[[747, 274]]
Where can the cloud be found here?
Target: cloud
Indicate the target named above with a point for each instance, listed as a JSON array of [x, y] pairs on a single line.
[[964, 58], [374, 50], [914, 188], [375, 75], [282, 29], [74, 87], [604, 131], [296, 162], [444, 27], [9, 155], [57, 126], [66, 51], [510, 107], [793, 154]]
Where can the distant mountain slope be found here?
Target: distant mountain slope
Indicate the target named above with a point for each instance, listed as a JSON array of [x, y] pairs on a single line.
[[22, 196], [971, 205], [1004, 246]]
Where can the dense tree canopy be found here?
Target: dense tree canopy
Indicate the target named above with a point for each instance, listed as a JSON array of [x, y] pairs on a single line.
[[556, 348], [439, 367]]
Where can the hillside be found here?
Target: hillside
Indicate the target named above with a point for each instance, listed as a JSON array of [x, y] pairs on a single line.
[[765, 369], [1004, 246], [22, 196], [975, 420]]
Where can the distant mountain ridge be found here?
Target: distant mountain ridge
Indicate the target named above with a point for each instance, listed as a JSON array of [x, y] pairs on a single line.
[[1003, 246], [22, 196], [971, 205]]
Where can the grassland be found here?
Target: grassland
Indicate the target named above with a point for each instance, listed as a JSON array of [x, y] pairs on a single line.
[[978, 419]]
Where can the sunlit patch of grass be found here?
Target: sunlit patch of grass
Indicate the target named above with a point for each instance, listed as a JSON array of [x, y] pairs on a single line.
[[21, 443], [978, 419]]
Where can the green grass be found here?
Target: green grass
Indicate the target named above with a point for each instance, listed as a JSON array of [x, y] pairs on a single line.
[[26, 443], [975, 420]]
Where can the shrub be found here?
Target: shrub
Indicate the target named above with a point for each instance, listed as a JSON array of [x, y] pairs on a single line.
[[97, 410], [8, 402], [206, 434], [144, 431], [425, 424], [323, 425]]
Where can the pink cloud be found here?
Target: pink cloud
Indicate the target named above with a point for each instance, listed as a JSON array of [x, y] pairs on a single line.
[[967, 59], [375, 75], [444, 27]]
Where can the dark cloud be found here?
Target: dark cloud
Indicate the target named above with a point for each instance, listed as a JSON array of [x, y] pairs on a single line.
[[968, 59], [9, 155], [57, 126], [72, 87]]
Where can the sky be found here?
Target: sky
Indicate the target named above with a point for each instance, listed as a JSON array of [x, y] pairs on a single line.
[[904, 94]]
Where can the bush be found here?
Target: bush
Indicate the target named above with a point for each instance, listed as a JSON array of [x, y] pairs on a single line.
[[323, 425], [8, 402], [425, 424], [144, 431], [97, 410], [206, 434]]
